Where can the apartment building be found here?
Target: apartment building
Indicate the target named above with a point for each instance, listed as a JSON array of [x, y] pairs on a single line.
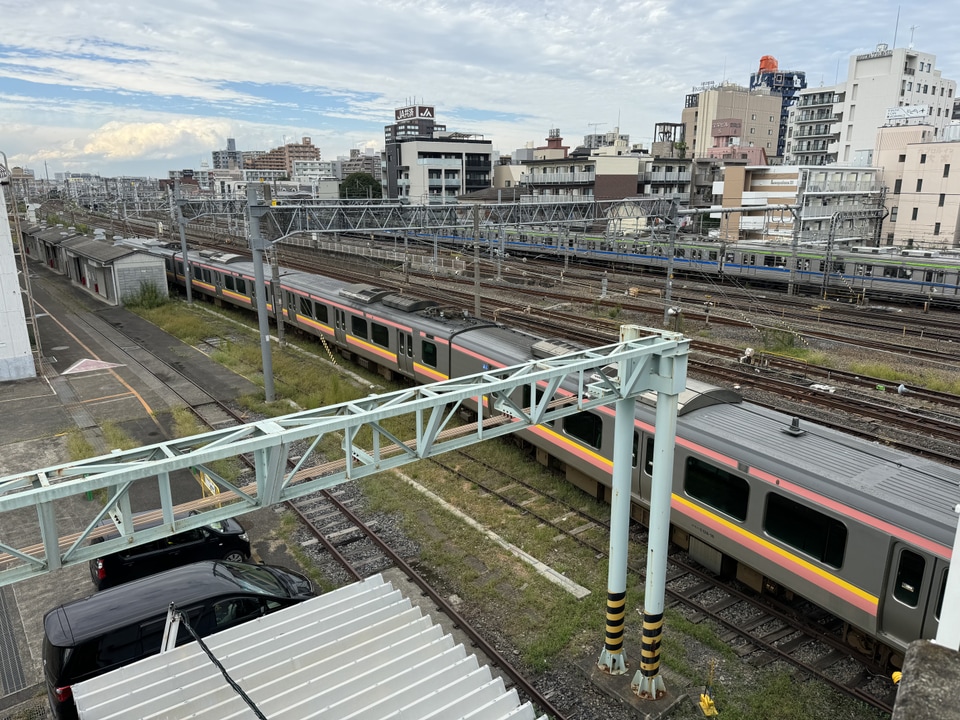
[[283, 157], [839, 123], [758, 110], [852, 195], [922, 174]]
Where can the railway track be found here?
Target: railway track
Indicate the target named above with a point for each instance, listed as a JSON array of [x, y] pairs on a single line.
[[761, 629], [355, 549]]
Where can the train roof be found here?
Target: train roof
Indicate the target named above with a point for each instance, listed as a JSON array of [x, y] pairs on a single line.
[[910, 492]]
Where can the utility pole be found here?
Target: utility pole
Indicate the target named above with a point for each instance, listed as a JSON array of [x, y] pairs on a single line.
[[476, 261]]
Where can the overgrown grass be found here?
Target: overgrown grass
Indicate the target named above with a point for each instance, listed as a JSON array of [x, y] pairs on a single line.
[[288, 525], [916, 377], [78, 447], [147, 297]]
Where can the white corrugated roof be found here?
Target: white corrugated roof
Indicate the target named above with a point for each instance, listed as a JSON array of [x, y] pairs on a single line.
[[362, 651]]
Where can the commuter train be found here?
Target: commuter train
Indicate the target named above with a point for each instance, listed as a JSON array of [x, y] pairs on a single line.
[[857, 273], [864, 531]]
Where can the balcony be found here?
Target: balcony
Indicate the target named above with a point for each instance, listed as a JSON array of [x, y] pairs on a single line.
[[843, 187], [669, 177], [564, 178], [440, 162]]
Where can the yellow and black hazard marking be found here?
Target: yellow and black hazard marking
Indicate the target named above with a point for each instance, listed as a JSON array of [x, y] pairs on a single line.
[[650, 644], [616, 601]]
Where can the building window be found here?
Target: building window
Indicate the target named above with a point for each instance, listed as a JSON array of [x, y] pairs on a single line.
[[936, 228], [753, 131], [923, 158], [753, 116], [943, 196], [913, 215], [769, 132], [898, 183], [902, 158], [946, 170], [893, 214], [919, 184]]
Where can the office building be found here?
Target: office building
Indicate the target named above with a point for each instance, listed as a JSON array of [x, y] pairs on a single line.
[[786, 83], [758, 111]]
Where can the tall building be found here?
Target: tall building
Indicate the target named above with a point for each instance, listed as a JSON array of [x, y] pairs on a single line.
[[839, 124], [788, 83], [758, 111], [283, 157], [425, 163], [16, 356], [229, 159]]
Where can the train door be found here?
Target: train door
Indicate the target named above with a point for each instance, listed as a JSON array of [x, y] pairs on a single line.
[[931, 620], [405, 352], [907, 595], [340, 326]]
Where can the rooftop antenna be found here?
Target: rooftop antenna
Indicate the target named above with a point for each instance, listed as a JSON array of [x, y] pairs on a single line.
[[896, 28], [836, 78], [912, 28], [595, 126]]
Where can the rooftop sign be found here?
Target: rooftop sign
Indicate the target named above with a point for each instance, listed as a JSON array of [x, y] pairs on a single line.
[[414, 111]]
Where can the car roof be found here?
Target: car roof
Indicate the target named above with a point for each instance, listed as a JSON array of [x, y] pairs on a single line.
[[79, 620], [154, 522]]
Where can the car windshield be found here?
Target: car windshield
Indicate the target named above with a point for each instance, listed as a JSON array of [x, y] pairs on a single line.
[[253, 578]]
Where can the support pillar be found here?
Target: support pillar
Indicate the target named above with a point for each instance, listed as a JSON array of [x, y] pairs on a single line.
[[647, 682], [948, 634], [613, 659], [255, 208]]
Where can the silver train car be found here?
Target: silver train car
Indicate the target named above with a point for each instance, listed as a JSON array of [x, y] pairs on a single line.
[[846, 272], [863, 531]]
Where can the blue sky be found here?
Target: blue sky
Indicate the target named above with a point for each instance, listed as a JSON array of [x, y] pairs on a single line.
[[141, 88]]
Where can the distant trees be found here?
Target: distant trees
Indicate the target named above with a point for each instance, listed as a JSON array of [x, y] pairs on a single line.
[[359, 185]]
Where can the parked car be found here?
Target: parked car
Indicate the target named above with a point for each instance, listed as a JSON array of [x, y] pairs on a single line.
[[88, 637], [222, 540]]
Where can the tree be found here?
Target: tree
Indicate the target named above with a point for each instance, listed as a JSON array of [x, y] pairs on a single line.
[[359, 185]]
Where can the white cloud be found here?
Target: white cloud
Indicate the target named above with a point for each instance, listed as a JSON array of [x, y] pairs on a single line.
[[335, 71]]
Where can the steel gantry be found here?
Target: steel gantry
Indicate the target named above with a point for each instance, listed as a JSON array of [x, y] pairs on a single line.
[[646, 359]]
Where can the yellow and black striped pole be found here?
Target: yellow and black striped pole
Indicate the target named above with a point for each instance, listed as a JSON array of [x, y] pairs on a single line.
[[647, 683], [613, 659]]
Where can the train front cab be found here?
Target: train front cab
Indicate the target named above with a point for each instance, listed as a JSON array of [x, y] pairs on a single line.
[[913, 596]]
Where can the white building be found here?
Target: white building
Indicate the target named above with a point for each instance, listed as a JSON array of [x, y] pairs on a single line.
[[839, 123], [16, 357]]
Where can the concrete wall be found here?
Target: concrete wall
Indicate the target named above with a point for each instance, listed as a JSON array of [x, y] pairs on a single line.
[[16, 357], [133, 270]]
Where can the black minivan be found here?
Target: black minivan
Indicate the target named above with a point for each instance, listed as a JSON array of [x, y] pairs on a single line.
[[222, 540], [88, 637]]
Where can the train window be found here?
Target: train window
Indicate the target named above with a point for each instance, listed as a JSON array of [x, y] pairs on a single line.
[[636, 449], [712, 255], [909, 578], [321, 312], [179, 267], [306, 308], [943, 590], [228, 282], [806, 529], [380, 334], [358, 326], [717, 488], [428, 351], [241, 286], [648, 464], [585, 427]]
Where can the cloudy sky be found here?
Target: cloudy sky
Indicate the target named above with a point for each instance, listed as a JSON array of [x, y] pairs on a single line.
[[138, 88]]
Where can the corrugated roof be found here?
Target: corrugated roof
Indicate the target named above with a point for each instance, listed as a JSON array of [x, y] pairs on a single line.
[[96, 249], [363, 651]]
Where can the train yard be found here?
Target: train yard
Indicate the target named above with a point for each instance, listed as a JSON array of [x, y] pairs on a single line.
[[538, 300]]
